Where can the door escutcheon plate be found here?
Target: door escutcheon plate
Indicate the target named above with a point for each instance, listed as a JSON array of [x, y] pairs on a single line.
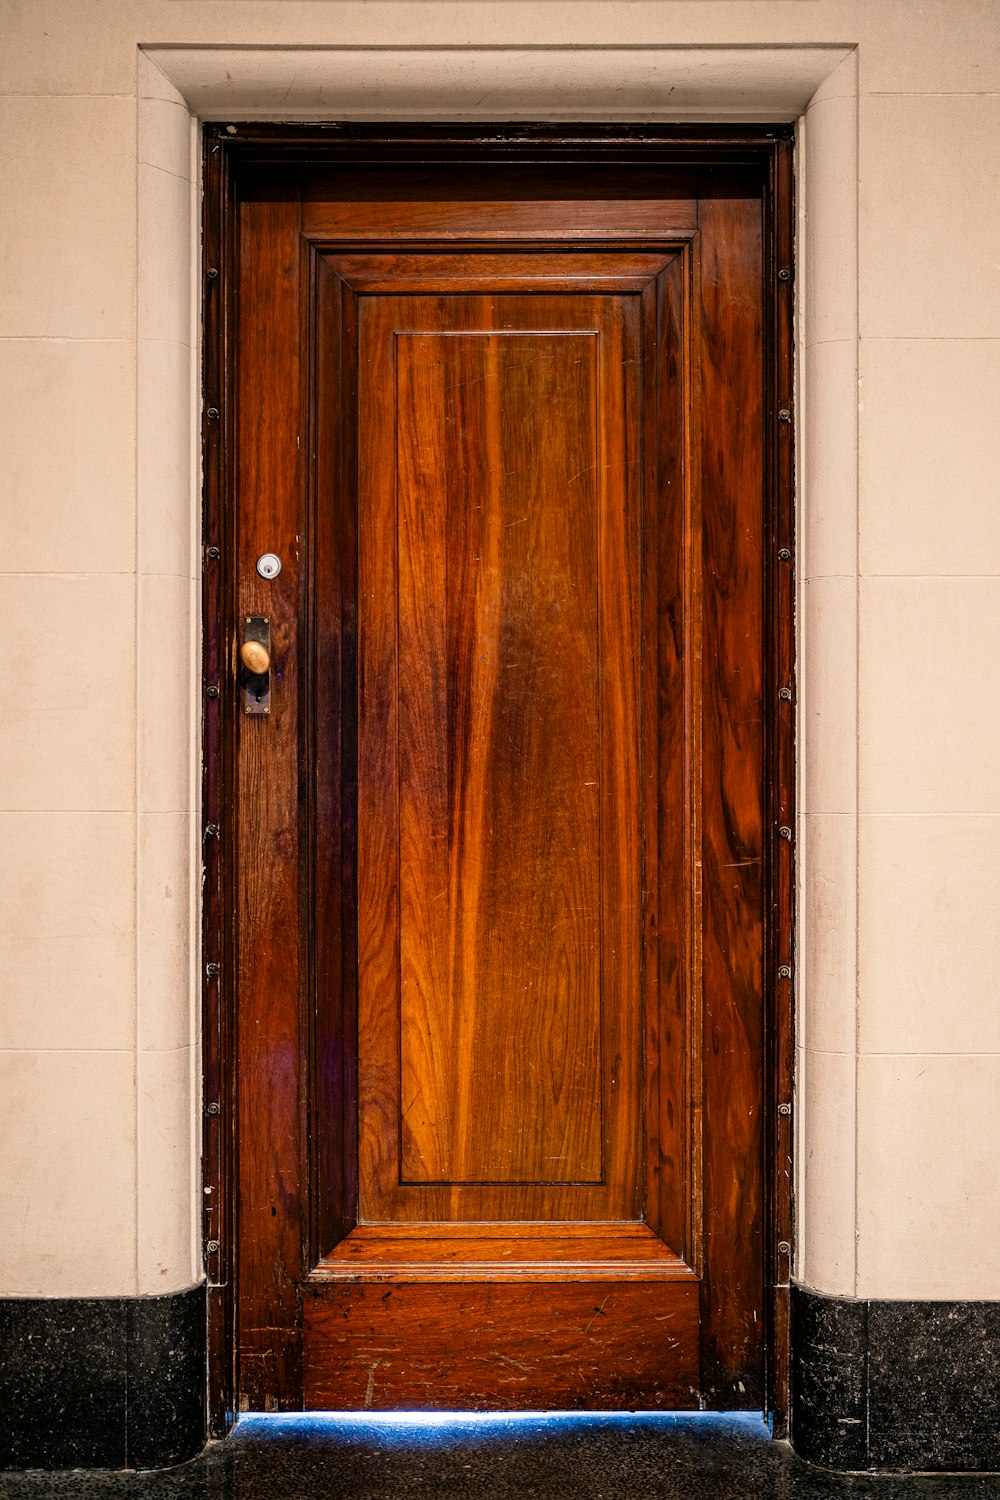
[[256, 686]]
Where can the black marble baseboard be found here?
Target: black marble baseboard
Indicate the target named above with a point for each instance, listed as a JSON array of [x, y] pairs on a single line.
[[102, 1382], [883, 1386]]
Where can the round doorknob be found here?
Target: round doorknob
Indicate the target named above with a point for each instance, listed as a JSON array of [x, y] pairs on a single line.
[[255, 657]]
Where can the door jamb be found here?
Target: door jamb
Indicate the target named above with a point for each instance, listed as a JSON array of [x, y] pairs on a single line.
[[771, 147]]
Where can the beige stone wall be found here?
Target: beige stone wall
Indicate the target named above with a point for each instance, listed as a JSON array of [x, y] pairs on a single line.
[[899, 611]]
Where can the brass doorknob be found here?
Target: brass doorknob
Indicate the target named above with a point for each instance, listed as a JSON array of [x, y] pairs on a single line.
[[255, 657]]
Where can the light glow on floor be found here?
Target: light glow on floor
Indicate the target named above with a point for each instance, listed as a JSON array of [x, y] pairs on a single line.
[[331, 1424]]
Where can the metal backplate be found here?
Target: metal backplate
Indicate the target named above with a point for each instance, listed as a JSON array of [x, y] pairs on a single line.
[[257, 686]]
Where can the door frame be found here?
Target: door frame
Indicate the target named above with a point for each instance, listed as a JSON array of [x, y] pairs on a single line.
[[225, 152]]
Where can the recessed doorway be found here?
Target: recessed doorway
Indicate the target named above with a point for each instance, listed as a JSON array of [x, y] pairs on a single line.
[[499, 1038]]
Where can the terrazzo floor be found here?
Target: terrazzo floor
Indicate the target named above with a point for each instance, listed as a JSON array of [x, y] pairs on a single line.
[[590, 1457]]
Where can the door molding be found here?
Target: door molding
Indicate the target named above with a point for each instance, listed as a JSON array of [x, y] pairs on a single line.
[[406, 80], [224, 156]]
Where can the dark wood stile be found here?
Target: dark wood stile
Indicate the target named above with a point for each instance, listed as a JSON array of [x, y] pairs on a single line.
[[779, 658], [732, 758], [218, 1133], [285, 1162]]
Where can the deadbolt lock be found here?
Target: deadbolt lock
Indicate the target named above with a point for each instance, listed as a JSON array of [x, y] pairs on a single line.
[[255, 659]]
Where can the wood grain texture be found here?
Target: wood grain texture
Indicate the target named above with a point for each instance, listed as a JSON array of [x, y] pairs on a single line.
[[671, 759], [328, 762], [499, 757], [453, 203], [731, 364], [471, 1347], [499, 1045], [269, 1043], [501, 1252]]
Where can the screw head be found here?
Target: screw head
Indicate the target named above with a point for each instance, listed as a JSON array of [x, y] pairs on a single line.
[[784, 555], [784, 972], [784, 831], [784, 1248], [213, 413], [784, 415], [212, 273], [213, 1247], [784, 274], [212, 553], [212, 692]]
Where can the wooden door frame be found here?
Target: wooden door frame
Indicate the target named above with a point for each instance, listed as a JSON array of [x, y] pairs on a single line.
[[227, 150]]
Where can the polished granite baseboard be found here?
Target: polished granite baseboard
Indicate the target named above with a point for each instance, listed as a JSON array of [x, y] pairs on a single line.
[[119, 1383], [889, 1386], [102, 1382]]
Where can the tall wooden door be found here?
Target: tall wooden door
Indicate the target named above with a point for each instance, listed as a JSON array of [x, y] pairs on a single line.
[[500, 870]]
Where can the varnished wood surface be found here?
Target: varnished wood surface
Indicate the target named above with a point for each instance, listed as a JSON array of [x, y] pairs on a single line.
[[508, 204], [459, 1347], [671, 764], [499, 746], [270, 1201], [501, 1252], [733, 836], [496, 581], [329, 777], [511, 270], [697, 1136]]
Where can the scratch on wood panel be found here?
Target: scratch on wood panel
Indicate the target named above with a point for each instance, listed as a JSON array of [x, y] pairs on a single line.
[[598, 1313], [515, 1364], [587, 469], [370, 1389]]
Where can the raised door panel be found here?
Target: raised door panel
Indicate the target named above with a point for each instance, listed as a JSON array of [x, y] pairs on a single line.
[[499, 876], [499, 758]]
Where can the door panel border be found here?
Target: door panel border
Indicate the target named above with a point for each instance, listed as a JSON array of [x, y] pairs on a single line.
[[225, 155], [336, 277]]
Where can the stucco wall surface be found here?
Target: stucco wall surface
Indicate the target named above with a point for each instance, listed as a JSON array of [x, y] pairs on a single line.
[[898, 1096]]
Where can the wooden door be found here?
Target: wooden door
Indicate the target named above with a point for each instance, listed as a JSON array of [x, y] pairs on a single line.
[[501, 864]]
